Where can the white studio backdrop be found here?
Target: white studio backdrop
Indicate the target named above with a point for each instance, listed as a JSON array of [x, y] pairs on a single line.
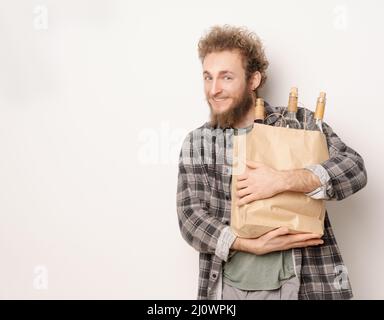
[[95, 100]]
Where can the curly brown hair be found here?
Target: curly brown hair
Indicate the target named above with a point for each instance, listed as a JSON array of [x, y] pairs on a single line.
[[222, 38]]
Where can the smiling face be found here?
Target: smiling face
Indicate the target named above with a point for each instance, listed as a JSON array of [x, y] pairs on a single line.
[[228, 94]]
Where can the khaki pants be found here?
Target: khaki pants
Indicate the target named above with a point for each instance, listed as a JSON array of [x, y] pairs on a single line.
[[289, 290]]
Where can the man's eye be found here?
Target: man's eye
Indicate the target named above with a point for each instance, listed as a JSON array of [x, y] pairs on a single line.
[[227, 78], [207, 78]]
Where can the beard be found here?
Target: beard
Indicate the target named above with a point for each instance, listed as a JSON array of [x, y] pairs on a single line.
[[236, 112]]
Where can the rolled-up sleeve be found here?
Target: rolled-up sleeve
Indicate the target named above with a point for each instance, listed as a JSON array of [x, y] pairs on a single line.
[[321, 193], [224, 243]]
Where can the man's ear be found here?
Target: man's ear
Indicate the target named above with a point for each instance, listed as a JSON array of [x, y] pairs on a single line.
[[255, 80]]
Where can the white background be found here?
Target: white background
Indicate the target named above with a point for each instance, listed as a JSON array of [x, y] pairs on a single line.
[[95, 99]]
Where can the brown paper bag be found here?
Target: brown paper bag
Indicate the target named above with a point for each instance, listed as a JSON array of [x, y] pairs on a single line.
[[282, 149]]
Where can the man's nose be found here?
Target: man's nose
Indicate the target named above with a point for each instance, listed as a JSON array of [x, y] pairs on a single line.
[[215, 88]]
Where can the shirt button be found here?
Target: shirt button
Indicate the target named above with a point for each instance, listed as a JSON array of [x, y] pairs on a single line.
[[214, 275]]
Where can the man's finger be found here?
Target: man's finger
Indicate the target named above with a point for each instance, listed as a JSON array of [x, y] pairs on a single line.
[[242, 184], [243, 176], [275, 233], [254, 164], [247, 199], [303, 237], [303, 244], [243, 192]]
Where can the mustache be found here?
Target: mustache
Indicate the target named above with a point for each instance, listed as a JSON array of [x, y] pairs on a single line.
[[218, 97]]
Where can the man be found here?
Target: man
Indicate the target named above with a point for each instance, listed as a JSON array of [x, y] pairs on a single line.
[[277, 265]]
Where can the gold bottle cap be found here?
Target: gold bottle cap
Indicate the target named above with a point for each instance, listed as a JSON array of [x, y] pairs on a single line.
[[292, 102], [259, 109], [294, 91], [320, 106]]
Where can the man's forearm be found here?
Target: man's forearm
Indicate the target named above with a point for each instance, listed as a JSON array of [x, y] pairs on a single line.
[[276, 240], [299, 180], [262, 182]]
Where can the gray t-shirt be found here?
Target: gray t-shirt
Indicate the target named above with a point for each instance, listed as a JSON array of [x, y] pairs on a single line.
[[248, 271]]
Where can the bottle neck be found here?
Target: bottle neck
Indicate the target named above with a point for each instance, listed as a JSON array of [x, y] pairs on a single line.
[[291, 114], [259, 111], [292, 103], [319, 124], [291, 120]]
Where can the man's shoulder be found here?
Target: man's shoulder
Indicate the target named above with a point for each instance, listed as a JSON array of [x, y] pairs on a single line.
[[195, 142], [269, 108], [203, 137], [204, 129]]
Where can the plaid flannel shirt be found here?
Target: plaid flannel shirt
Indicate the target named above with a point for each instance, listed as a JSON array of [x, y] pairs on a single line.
[[204, 207]]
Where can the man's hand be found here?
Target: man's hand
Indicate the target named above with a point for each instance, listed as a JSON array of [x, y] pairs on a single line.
[[276, 240], [259, 181]]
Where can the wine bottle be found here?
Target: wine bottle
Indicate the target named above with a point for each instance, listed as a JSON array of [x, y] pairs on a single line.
[[319, 113], [290, 118], [259, 111]]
